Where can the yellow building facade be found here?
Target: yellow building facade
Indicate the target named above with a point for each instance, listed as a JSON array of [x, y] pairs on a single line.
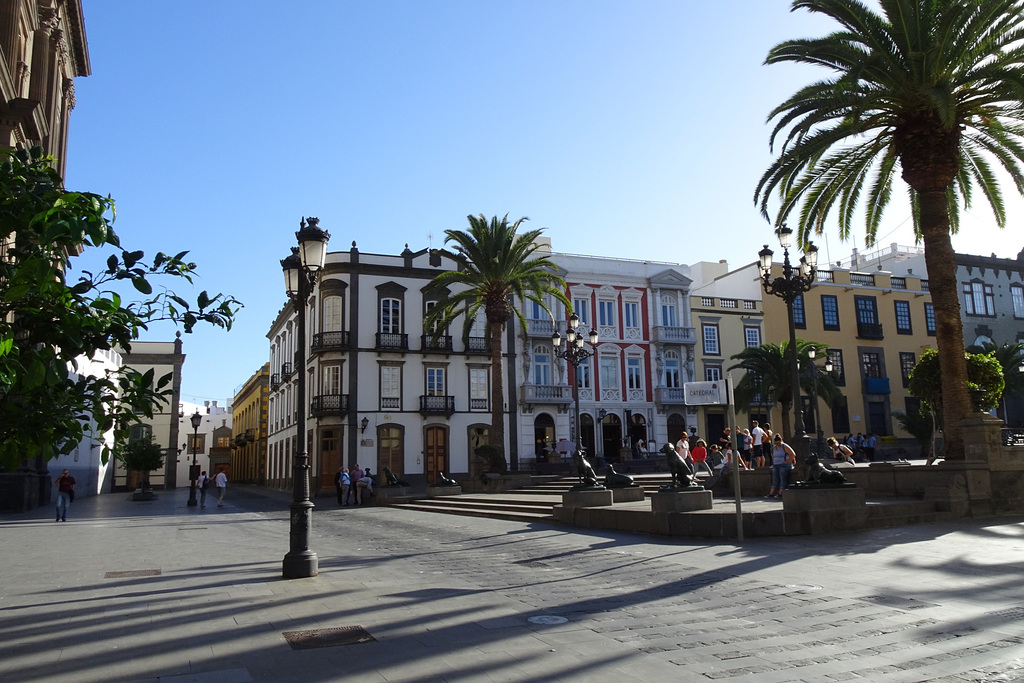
[[249, 421]]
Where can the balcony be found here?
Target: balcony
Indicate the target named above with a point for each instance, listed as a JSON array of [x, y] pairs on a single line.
[[430, 343], [286, 371], [876, 385], [479, 404], [547, 393], [898, 282], [329, 341], [825, 276], [675, 335], [669, 396], [275, 381], [869, 330], [328, 404], [389, 341], [540, 327], [865, 279], [478, 345], [437, 405]]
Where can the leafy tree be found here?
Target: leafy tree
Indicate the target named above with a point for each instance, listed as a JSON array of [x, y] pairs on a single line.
[[984, 386], [47, 322], [497, 266], [1011, 358], [768, 371], [142, 456], [919, 424], [929, 89]]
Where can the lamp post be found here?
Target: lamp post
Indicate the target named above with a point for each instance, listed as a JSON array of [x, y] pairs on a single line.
[[792, 283], [575, 353], [193, 471], [301, 269], [814, 389]]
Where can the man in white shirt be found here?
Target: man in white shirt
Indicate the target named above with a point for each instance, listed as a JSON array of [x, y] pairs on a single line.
[[221, 482], [757, 452]]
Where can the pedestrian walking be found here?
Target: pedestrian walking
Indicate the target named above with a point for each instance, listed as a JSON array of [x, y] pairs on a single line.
[[343, 482], [783, 459], [356, 474], [221, 482], [65, 494], [204, 484]]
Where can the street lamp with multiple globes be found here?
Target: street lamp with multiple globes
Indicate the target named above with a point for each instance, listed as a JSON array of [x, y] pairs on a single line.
[[791, 284], [193, 473], [301, 270], [575, 353]]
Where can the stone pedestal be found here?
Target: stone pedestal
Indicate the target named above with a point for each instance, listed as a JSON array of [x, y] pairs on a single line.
[[439, 491], [586, 498], [819, 510], [386, 494], [628, 494], [683, 500]]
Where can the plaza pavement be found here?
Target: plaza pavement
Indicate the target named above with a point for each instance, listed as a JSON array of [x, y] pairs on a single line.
[[157, 591]]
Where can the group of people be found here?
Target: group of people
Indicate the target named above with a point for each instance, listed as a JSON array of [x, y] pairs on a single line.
[[355, 483], [220, 481]]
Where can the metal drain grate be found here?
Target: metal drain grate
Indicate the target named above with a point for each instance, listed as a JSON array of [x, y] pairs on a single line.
[[132, 574], [327, 637], [897, 602]]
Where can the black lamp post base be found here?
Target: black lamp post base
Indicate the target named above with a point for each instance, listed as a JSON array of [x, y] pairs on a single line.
[[801, 445], [300, 565], [192, 502]]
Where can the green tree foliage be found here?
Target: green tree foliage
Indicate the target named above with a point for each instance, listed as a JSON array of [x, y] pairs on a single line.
[[921, 425], [497, 266], [47, 322], [141, 455], [1011, 359], [768, 373], [930, 90], [985, 381]]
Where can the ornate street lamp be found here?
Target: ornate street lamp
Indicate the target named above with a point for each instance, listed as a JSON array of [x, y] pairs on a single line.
[[193, 472], [301, 270], [792, 283], [575, 353]]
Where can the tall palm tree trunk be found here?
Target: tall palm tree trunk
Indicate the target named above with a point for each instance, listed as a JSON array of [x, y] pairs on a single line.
[[949, 332], [496, 437]]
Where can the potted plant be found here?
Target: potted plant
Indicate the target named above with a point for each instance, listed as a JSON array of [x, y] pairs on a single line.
[[141, 456]]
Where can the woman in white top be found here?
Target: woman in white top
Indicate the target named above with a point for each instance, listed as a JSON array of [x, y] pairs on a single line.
[[683, 449], [783, 459]]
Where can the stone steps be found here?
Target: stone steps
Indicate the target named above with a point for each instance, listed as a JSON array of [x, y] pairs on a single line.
[[885, 514]]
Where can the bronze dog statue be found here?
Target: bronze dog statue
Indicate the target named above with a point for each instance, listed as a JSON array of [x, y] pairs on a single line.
[[392, 479]]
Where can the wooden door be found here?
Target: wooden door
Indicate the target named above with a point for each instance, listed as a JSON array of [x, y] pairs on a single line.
[[436, 452], [390, 452]]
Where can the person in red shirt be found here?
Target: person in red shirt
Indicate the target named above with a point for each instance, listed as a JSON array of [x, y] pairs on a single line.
[[700, 457], [65, 494]]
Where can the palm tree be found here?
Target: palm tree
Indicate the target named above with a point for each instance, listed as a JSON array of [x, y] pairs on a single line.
[[920, 424], [768, 373], [496, 266], [931, 89]]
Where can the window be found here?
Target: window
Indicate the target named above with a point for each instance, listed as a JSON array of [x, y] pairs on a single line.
[[428, 305], [478, 389], [583, 374], [672, 369], [435, 382], [222, 442], [1017, 297], [710, 336], [581, 307], [140, 432], [197, 443], [752, 336], [390, 386], [871, 364], [978, 299], [541, 365], [332, 320], [903, 317], [929, 319], [830, 311], [867, 317], [390, 316], [634, 373], [609, 368], [606, 313], [838, 370], [668, 315], [840, 416], [799, 319], [631, 314], [907, 362], [330, 379], [713, 373]]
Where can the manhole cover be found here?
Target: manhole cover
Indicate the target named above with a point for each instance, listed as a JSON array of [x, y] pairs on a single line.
[[132, 574], [897, 602], [547, 619], [327, 637]]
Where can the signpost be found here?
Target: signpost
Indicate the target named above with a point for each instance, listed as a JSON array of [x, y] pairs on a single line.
[[719, 393]]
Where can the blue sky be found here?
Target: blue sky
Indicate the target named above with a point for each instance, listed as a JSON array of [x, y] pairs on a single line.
[[632, 129]]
